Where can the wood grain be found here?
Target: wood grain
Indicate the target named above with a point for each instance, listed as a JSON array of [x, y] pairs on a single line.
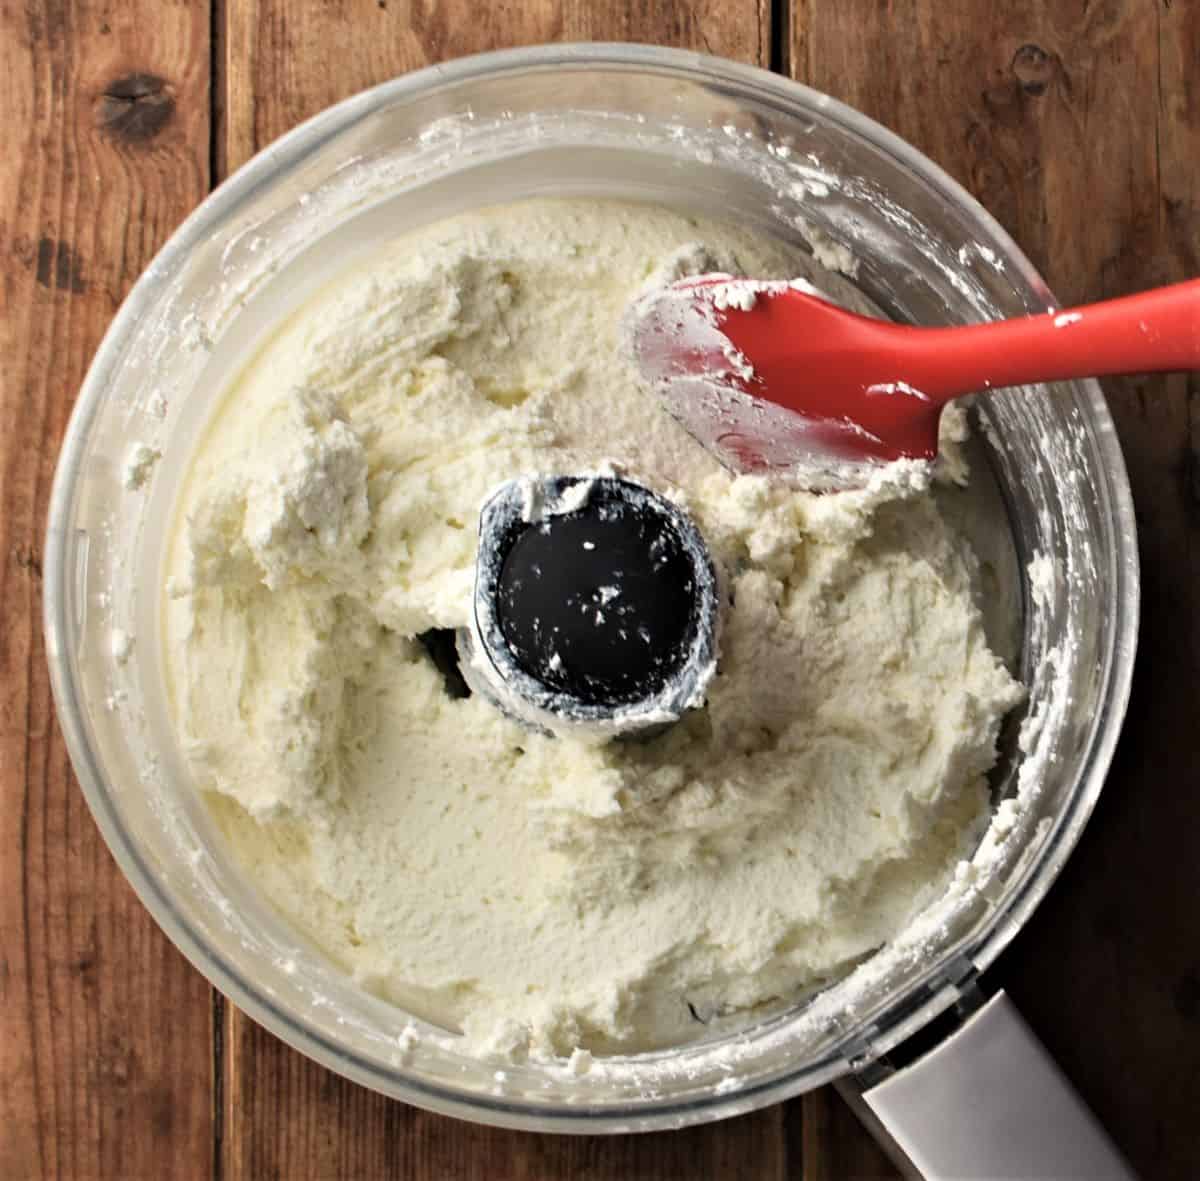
[[829, 1143], [106, 148], [294, 1119], [285, 60], [1078, 125]]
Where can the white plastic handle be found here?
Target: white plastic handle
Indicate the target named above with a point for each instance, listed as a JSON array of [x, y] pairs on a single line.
[[990, 1103]]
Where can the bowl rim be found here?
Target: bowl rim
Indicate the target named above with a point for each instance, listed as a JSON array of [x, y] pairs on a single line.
[[288, 150]]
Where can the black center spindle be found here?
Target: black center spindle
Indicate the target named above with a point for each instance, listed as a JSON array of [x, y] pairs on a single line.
[[599, 603], [594, 597]]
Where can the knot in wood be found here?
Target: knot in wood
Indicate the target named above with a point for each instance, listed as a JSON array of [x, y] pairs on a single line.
[[135, 107], [1033, 68]]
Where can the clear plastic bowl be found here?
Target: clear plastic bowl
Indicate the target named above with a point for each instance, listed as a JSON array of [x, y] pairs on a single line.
[[626, 121]]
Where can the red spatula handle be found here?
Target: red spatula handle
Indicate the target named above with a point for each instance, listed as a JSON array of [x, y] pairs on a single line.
[[1153, 331]]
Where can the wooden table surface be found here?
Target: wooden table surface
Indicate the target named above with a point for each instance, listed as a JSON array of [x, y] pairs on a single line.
[[1076, 122]]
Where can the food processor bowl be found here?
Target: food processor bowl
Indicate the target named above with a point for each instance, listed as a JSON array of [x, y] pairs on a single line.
[[601, 120]]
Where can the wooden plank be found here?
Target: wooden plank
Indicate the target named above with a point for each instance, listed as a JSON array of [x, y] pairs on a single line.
[[105, 1045], [830, 1143], [290, 1118], [1078, 125], [284, 1116], [285, 60]]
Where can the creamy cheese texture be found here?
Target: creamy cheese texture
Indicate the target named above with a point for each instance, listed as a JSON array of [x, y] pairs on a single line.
[[543, 894]]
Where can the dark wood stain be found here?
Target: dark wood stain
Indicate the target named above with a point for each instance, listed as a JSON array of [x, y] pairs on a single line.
[[1034, 69], [135, 107], [28, 561], [58, 267]]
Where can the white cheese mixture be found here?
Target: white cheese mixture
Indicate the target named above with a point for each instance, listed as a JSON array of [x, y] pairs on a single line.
[[547, 894]]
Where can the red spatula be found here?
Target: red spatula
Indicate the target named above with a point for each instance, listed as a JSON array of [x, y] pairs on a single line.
[[769, 375]]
